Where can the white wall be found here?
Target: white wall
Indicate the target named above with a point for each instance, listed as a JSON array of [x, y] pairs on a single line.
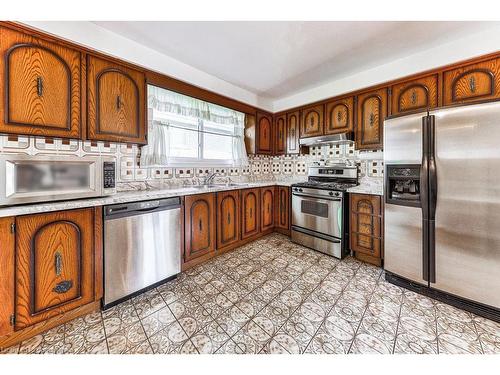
[[461, 49], [93, 36]]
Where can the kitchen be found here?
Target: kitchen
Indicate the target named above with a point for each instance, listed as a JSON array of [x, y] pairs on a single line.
[[142, 212]]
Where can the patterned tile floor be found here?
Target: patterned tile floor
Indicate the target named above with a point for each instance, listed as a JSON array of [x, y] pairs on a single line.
[[272, 296]]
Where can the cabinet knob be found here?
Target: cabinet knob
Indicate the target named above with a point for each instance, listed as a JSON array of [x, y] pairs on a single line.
[[200, 225], [118, 102]]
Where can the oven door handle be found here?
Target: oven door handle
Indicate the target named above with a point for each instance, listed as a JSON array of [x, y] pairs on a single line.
[[317, 197]]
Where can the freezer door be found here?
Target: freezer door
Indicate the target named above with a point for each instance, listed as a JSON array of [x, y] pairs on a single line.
[[403, 252], [467, 259]]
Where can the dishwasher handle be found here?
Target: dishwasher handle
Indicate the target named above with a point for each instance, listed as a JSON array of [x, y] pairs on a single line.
[[137, 208]]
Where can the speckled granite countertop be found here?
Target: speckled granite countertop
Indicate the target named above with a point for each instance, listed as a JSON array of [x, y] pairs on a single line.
[[373, 186], [130, 196]]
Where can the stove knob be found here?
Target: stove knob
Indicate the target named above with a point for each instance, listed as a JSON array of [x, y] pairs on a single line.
[[337, 194], [330, 193], [300, 190]]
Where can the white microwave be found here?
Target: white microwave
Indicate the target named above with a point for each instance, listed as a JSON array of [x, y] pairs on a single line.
[[44, 178]]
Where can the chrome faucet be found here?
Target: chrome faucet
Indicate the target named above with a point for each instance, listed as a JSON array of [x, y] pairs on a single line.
[[208, 180]]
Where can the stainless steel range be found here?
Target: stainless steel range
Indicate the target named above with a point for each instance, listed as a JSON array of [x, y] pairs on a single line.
[[320, 214]]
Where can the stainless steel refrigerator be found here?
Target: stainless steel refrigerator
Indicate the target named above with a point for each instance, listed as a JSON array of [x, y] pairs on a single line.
[[442, 205]]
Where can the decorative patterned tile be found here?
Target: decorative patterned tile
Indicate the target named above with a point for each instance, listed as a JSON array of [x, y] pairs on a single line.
[[126, 339], [147, 303]]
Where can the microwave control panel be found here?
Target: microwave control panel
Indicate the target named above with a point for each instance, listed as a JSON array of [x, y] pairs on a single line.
[[109, 168]]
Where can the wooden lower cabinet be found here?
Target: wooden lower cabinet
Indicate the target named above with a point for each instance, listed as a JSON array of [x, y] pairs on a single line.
[[366, 227], [250, 213], [54, 264], [199, 224], [267, 208], [7, 278], [282, 209], [228, 218]]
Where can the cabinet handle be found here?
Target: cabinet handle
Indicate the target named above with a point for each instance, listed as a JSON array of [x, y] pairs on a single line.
[[339, 116], [200, 225], [472, 84], [39, 86], [58, 263], [372, 119], [414, 97], [118, 102], [63, 286], [228, 218]]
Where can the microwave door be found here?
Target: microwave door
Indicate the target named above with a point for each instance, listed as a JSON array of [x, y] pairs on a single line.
[[404, 230]]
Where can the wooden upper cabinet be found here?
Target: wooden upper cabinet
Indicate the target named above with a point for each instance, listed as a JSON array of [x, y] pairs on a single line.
[[282, 204], [280, 134], [339, 116], [250, 212], [40, 85], [200, 222], [264, 133], [371, 113], [474, 82], [292, 132], [54, 264], [418, 94], [228, 218], [311, 121], [267, 208], [115, 101]]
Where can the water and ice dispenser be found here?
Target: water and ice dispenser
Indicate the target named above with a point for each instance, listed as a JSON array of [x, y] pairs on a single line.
[[402, 185]]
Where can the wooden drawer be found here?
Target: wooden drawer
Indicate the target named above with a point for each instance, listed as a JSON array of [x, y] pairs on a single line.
[[474, 82], [418, 94]]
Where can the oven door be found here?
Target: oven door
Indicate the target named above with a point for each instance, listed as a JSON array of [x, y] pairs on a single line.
[[322, 215], [28, 179]]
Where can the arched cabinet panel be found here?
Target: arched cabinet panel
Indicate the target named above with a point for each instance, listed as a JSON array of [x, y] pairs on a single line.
[[199, 225], [250, 212], [292, 132], [339, 116], [267, 208], [228, 218], [40, 85], [264, 133], [280, 135], [54, 264], [371, 111], [419, 94], [311, 121], [115, 102]]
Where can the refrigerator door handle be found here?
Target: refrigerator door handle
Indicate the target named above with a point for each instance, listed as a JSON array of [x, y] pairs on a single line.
[[424, 197], [432, 199]]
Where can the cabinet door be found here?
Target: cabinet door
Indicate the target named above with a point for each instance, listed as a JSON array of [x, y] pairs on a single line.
[[267, 208], [264, 133], [372, 111], [40, 84], [282, 204], [115, 100], [475, 82], [292, 133], [54, 264], [339, 116], [418, 94], [280, 135], [311, 121], [7, 266], [366, 224], [200, 224], [250, 212], [228, 218]]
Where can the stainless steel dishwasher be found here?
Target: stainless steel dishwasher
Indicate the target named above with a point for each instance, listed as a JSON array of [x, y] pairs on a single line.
[[142, 246]]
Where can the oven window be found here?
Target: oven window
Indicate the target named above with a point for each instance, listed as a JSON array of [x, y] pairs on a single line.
[[314, 208], [33, 177]]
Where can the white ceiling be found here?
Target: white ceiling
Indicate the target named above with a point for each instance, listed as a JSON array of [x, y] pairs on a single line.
[[277, 59]]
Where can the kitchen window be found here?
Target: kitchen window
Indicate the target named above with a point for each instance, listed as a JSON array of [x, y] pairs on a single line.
[[185, 131]]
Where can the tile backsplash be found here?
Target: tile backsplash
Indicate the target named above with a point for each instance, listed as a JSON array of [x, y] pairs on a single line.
[[131, 176]]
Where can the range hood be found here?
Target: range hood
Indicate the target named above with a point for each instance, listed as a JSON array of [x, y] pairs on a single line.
[[336, 139]]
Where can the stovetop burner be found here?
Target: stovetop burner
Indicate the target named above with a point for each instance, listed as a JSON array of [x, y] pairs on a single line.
[[340, 186]]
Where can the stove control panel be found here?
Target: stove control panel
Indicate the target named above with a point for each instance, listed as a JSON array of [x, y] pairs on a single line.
[[336, 194]]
